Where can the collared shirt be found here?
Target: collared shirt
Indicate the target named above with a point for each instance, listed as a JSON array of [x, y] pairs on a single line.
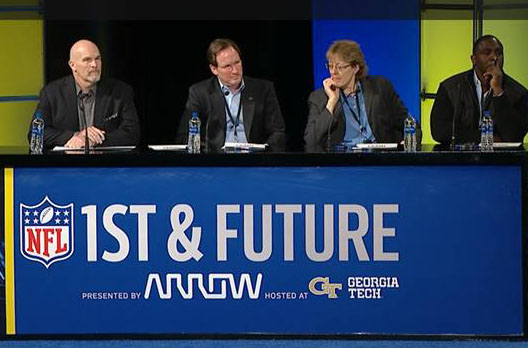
[[356, 133], [89, 106], [481, 97], [233, 101]]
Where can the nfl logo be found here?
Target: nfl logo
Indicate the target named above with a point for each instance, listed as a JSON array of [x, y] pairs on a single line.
[[46, 232]]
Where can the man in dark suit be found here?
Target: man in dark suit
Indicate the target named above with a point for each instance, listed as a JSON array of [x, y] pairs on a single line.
[[462, 99], [352, 107], [231, 106], [107, 105]]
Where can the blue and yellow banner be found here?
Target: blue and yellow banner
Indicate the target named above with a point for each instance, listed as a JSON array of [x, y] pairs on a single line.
[[286, 250]]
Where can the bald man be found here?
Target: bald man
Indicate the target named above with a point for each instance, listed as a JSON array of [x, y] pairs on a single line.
[[110, 117]]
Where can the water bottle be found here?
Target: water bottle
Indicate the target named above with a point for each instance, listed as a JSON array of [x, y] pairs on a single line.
[[489, 138], [483, 133], [37, 134], [409, 134], [486, 132], [193, 144]]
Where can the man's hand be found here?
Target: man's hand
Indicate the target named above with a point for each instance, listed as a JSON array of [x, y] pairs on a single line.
[[95, 137], [75, 142], [332, 91], [493, 76]]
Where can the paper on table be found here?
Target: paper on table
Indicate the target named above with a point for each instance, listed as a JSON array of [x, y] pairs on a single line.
[[244, 146], [377, 146], [100, 148], [502, 145], [178, 147]]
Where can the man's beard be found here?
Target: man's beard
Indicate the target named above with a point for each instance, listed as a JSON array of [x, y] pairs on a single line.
[[94, 78]]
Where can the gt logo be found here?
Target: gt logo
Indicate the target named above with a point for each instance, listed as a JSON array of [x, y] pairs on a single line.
[[326, 288]]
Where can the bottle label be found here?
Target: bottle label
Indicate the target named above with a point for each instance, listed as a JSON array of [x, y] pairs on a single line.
[[193, 130]]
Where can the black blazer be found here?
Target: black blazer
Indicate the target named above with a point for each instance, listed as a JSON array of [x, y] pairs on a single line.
[[385, 113], [115, 112], [263, 122], [456, 98]]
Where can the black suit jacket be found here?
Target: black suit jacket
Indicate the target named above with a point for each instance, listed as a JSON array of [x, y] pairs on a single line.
[[385, 113], [115, 112], [263, 122], [456, 97]]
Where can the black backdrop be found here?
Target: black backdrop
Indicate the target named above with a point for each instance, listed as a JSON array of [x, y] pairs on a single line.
[[162, 58]]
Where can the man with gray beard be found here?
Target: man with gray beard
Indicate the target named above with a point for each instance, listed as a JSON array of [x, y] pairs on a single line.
[[82, 103]]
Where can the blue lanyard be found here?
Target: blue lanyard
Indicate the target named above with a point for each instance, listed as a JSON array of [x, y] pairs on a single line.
[[235, 122], [362, 129]]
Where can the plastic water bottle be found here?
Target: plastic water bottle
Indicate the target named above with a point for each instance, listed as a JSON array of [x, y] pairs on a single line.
[[193, 144], [489, 138], [486, 132], [37, 134], [409, 134]]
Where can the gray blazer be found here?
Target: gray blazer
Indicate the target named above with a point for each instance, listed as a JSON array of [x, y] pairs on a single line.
[[385, 113]]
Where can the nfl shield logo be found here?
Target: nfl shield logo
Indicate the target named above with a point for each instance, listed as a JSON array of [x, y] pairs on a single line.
[[46, 231]]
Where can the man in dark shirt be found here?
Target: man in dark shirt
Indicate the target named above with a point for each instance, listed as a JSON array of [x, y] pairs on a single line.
[[233, 107], [462, 99], [107, 106]]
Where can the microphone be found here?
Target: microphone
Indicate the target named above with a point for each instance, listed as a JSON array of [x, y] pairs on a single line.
[[328, 140], [82, 97], [226, 93], [207, 136], [455, 112]]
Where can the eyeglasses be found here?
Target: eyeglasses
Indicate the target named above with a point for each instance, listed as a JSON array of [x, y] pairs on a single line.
[[230, 66], [339, 68]]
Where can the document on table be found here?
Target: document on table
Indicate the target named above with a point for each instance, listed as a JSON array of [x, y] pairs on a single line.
[[99, 148], [377, 146], [178, 147], [244, 147], [504, 145]]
